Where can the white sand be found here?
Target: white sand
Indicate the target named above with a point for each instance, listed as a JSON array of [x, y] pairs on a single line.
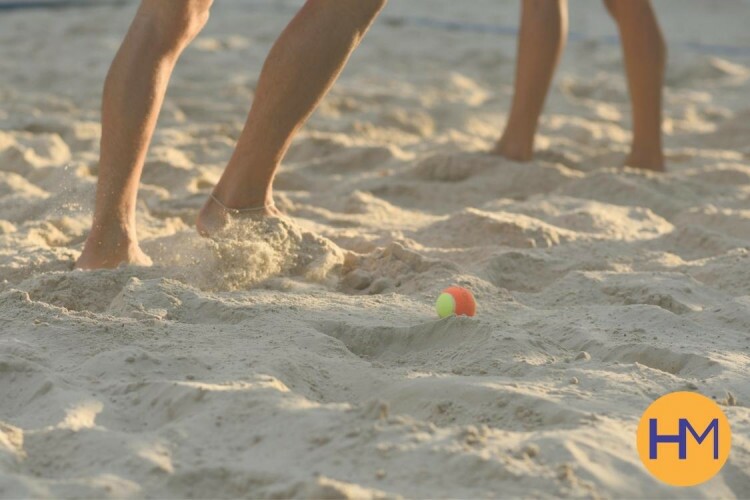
[[309, 362]]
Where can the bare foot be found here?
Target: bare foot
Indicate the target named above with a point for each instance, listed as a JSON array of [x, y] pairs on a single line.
[[653, 162], [110, 251], [513, 150], [213, 217]]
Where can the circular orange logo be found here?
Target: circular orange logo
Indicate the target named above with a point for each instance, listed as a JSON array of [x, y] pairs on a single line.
[[684, 438]]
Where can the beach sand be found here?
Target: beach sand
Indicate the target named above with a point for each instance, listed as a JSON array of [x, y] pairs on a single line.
[[305, 358]]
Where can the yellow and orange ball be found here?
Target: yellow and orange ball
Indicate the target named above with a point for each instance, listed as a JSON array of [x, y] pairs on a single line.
[[456, 301]]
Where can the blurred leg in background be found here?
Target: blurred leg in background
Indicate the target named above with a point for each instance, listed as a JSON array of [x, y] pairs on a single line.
[[133, 95], [299, 71], [645, 55], [541, 40], [544, 28]]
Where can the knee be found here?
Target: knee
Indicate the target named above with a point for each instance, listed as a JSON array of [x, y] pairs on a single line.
[[174, 23]]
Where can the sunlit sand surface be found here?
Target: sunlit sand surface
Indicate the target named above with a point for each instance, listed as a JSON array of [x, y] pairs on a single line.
[[304, 358]]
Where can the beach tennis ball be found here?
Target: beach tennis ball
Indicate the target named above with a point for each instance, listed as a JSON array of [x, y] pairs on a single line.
[[457, 301]]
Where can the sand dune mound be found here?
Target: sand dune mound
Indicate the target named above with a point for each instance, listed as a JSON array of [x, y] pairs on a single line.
[[583, 216], [472, 228], [393, 268]]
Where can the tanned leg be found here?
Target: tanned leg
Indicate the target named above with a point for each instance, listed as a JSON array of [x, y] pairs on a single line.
[[133, 95], [299, 71], [544, 26], [645, 61]]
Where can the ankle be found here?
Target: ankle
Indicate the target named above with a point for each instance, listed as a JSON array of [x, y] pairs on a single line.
[[521, 150], [215, 216], [113, 233], [100, 252], [651, 158], [235, 200]]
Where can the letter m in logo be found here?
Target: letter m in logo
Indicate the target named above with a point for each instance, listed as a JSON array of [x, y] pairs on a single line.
[[681, 438]]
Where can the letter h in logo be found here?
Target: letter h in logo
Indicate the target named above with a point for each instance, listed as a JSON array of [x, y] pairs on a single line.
[[655, 438]]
